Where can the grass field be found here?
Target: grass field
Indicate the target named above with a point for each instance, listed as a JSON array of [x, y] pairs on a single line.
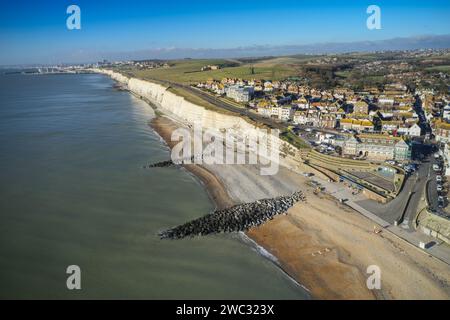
[[445, 68], [195, 99], [188, 71], [293, 139]]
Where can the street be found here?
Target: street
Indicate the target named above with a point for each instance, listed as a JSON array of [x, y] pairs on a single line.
[[404, 206]]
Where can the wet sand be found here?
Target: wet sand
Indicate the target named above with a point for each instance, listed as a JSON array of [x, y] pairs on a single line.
[[324, 245]]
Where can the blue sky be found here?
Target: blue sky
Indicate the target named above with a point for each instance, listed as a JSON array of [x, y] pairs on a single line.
[[35, 31]]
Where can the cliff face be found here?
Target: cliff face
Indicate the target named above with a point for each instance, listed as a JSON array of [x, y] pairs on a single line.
[[176, 105], [190, 113]]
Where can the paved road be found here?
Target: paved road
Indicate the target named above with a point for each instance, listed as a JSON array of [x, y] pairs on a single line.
[[423, 122], [408, 198], [439, 250], [417, 193]]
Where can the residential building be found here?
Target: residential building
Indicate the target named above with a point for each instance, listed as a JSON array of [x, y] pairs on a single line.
[[414, 130], [240, 93], [360, 107], [377, 147], [358, 125], [286, 113], [442, 131]]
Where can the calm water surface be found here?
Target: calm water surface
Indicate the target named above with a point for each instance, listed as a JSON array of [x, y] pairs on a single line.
[[73, 192]]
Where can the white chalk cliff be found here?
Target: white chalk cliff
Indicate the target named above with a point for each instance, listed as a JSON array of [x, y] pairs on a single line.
[[188, 112]]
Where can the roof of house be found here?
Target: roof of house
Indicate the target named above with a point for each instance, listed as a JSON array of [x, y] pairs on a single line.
[[442, 125]]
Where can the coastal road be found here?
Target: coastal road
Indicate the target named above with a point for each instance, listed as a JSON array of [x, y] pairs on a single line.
[[404, 206], [417, 194], [439, 250]]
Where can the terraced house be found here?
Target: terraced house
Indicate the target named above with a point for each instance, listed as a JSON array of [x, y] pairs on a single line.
[[441, 130], [377, 147], [354, 124]]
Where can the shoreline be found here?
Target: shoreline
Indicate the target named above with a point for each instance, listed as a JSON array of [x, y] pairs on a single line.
[[219, 195], [217, 192], [322, 245], [338, 274]]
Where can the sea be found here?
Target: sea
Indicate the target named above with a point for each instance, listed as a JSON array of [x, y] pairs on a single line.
[[73, 192]]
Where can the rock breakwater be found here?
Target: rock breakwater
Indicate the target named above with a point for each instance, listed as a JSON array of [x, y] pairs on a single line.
[[236, 218]]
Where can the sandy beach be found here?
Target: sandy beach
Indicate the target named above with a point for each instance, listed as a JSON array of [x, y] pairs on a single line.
[[324, 245]]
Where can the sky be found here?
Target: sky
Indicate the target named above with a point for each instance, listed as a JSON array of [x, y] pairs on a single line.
[[36, 32]]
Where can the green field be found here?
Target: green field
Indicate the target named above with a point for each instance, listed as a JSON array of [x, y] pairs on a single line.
[[293, 139], [445, 68], [188, 71], [197, 100]]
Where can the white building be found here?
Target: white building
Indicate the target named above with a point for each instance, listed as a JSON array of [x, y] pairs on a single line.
[[276, 111], [300, 117], [385, 100], [446, 113], [283, 113], [240, 93], [286, 113], [414, 130]]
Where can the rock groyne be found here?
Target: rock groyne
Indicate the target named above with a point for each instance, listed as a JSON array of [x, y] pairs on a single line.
[[162, 164], [236, 218], [170, 163]]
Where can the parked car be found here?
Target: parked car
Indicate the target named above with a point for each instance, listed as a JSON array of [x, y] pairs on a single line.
[[436, 167], [439, 178], [439, 188]]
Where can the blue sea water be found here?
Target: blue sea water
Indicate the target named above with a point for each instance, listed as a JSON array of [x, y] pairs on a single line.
[[73, 192]]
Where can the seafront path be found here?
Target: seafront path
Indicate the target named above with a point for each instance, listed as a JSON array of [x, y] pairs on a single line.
[[439, 250]]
